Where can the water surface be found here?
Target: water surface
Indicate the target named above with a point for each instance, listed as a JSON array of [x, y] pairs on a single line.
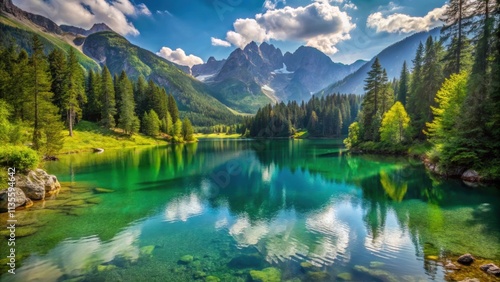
[[240, 205]]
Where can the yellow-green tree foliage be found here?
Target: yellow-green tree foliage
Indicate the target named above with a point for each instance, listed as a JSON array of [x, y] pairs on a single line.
[[352, 139], [449, 100], [395, 124]]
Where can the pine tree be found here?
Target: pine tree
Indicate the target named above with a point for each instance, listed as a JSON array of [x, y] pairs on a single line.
[[127, 119], [374, 87], [172, 109], [141, 102], [404, 81], [58, 65], [108, 110], [150, 124], [416, 85], [457, 19], [74, 96], [93, 109]]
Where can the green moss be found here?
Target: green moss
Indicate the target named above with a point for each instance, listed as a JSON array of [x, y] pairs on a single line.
[[187, 259], [212, 279], [318, 276], [269, 274], [345, 276], [147, 250], [101, 267]]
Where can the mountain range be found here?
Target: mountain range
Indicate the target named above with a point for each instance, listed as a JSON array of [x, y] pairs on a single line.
[[217, 91]]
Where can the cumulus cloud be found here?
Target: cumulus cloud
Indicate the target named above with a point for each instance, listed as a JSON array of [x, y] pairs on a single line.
[[220, 42], [85, 13], [318, 24], [404, 23], [179, 57], [272, 4]]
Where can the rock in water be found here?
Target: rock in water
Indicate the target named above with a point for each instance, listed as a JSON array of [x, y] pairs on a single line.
[[37, 183], [246, 261], [318, 276], [344, 276], [451, 266], [491, 269], [187, 259], [20, 199], [269, 274], [103, 190], [466, 259], [471, 176]]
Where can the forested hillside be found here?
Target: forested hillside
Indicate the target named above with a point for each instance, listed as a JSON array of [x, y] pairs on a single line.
[[42, 94], [450, 98]]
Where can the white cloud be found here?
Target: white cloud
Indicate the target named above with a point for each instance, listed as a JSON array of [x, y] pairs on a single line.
[[179, 57], [318, 24], [85, 13], [271, 4], [350, 5], [220, 42], [404, 23], [143, 9]]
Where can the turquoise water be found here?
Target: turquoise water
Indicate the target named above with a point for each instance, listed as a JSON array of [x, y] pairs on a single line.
[[233, 206]]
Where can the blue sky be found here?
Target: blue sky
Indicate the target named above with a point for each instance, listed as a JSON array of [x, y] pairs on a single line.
[[191, 31]]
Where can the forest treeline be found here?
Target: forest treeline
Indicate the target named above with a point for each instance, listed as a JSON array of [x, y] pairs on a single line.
[[42, 94], [328, 116], [450, 98]]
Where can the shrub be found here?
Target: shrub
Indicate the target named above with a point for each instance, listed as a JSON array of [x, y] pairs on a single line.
[[20, 157]]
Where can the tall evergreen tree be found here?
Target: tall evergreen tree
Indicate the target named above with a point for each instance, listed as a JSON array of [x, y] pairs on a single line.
[[74, 96], [374, 87], [58, 65], [108, 110], [127, 121], [172, 109], [93, 109], [187, 130], [404, 82]]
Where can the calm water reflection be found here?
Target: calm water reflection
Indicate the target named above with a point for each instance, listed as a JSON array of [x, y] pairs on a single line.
[[241, 205]]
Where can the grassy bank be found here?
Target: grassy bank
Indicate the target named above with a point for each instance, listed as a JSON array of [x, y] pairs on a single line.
[[88, 136], [217, 136]]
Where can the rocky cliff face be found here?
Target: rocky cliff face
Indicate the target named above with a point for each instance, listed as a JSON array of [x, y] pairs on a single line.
[[80, 31], [6, 6], [204, 72]]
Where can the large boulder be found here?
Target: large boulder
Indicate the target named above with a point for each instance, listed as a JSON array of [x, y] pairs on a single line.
[[466, 259], [471, 175], [19, 199], [491, 269], [37, 184]]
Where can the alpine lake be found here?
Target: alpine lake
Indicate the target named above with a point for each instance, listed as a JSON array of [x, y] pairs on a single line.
[[254, 210]]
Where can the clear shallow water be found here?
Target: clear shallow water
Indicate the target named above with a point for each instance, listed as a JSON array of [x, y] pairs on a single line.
[[238, 205]]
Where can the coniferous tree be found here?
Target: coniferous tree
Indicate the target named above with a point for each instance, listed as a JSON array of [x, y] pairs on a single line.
[[404, 81], [172, 109], [128, 121], [93, 109], [150, 123], [58, 65], [74, 96], [371, 115], [108, 107], [416, 85]]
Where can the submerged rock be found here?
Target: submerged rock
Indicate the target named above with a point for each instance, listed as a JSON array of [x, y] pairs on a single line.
[[376, 264], [377, 273], [270, 274], [306, 266], [147, 250], [345, 276], [103, 190], [466, 259], [470, 280], [19, 200], [318, 276], [247, 261], [491, 269], [187, 259], [199, 275], [212, 279], [107, 267]]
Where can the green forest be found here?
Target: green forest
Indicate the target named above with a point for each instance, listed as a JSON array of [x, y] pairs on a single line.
[[450, 98], [41, 95]]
